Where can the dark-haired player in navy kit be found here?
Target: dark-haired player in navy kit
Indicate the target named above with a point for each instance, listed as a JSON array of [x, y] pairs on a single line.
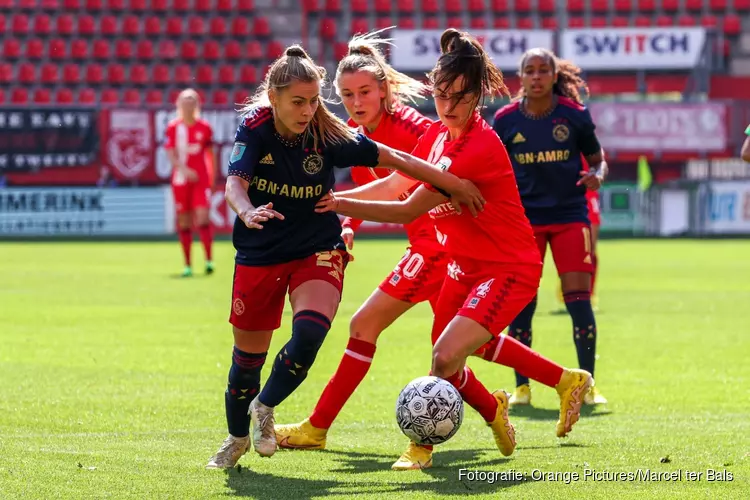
[[548, 132], [282, 164]]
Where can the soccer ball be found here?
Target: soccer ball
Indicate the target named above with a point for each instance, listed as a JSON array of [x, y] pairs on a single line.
[[429, 410]]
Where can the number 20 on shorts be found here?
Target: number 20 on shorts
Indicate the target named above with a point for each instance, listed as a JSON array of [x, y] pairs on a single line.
[[410, 265]]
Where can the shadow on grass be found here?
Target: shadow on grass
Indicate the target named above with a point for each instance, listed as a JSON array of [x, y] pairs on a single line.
[[534, 413]]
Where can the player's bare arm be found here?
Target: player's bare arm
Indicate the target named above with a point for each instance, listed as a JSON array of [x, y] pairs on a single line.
[[461, 190], [598, 171], [237, 198], [396, 212], [387, 188]]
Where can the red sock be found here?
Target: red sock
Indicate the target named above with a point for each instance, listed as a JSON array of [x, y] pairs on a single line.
[[474, 393], [206, 239], [595, 262], [352, 369], [186, 239], [508, 351]]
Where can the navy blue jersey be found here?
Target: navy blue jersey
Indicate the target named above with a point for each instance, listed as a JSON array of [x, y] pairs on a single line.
[[293, 176], [546, 153]]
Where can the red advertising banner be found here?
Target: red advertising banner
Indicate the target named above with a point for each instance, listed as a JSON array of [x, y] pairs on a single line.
[[661, 127]]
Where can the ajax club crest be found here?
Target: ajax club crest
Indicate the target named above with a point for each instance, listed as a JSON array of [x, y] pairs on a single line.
[[560, 133], [312, 164]]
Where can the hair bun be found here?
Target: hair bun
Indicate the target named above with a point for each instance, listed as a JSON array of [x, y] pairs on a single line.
[[451, 41], [295, 51]]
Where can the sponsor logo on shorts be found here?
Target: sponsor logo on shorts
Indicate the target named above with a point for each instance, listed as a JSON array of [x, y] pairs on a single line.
[[473, 303], [238, 307], [484, 288], [395, 279]]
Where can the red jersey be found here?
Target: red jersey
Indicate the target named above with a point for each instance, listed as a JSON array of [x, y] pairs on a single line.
[[501, 233], [190, 143], [401, 131]]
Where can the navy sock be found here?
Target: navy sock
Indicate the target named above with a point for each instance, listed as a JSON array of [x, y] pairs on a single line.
[[520, 329], [584, 327], [296, 357], [243, 386]]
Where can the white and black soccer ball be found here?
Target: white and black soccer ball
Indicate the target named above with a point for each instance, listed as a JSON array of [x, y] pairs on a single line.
[[429, 410]]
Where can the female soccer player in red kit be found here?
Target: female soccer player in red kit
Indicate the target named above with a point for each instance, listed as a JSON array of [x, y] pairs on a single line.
[[189, 147], [548, 132], [495, 268], [282, 164], [373, 95]]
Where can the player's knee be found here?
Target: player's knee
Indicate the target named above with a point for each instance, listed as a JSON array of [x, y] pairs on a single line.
[[309, 331], [444, 363], [363, 328]]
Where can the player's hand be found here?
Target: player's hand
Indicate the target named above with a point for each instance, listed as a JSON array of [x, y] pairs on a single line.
[[327, 203], [592, 179], [347, 234], [470, 196], [190, 174], [254, 217]]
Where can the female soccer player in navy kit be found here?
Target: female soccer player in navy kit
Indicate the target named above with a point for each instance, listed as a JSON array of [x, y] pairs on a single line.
[[282, 163], [495, 264], [374, 94], [547, 132]]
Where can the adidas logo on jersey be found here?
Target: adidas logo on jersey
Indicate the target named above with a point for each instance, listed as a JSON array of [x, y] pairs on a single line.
[[519, 138], [267, 160]]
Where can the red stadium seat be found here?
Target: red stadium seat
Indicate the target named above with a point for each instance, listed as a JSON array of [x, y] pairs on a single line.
[[576, 22], [20, 24], [478, 23], [501, 23], [248, 75], [226, 74], [359, 6], [101, 49], [240, 27], [550, 23], [232, 50], [686, 21], [65, 25], [499, 6], [575, 6], [173, 94], [254, 51], [383, 6], [406, 23], [477, 6], [71, 74], [139, 74], [405, 6], [522, 6], [218, 26], [731, 25], [709, 21], [327, 28], [261, 28], [694, 5], [204, 75], [34, 49], [642, 21], [219, 97], [203, 6], [647, 6], [240, 96], [19, 96], [145, 50], [11, 48], [56, 50], [160, 6], [430, 7], [132, 97], [26, 73], [152, 26], [525, 23], [174, 26], [456, 22], [123, 49], [79, 50], [600, 6], [131, 26], [431, 22], [671, 5], [189, 50], [664, 21], [455, 7], [108, 26], [160, 74], [225, 6], [623, 6], [72, 4], [42, 96], [358, 26], [116, 74], [167, 50], [274, 50], [51, 5], [155, 97], [547, 7], [116, 5], [742, 5], [211, 50], [87, 96], [110, 96], [6, 73], [382, 23], [718, 5], [138, 5], [340, 50], [196, 26], [86, 25], [27, 5], [49, 74], [94, 74], [181, 6], [183, 75], [93, 5], [42, 24], [598, 22], [64, 96], [620, 22], [245, 6]]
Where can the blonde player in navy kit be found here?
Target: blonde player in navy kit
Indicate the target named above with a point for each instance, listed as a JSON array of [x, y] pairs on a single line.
[[282, 164], [548, 132]]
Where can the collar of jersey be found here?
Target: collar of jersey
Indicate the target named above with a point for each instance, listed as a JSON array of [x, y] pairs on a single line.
[[286, 142], [522, 109]]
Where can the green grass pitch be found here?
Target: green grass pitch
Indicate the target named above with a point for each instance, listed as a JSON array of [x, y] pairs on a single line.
[[112, 375]]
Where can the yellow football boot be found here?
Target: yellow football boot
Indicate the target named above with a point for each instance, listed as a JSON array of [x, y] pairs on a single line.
[[505, 433], [301, 436], [572, 389], [415, 457], [521, 396], [594, 397]]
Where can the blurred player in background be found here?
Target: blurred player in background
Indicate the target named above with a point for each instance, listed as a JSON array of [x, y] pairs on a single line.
[[548, 132], [373, 94], [746, 146], [282, 163], [189, 147], [495, 264]]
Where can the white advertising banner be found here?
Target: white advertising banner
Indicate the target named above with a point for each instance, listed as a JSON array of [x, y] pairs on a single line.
[[92, 212], [728, 208], [417, 50], [633, 48]]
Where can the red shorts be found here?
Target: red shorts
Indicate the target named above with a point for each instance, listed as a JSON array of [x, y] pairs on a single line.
[[490, 294], [259, 292], [191, 195], [418, 275], [595, 210], [570, 244]]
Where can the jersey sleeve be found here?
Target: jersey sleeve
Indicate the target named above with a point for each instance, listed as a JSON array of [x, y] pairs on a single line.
[[246, 152], [588, 143], [169, 136], [362, 151]]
